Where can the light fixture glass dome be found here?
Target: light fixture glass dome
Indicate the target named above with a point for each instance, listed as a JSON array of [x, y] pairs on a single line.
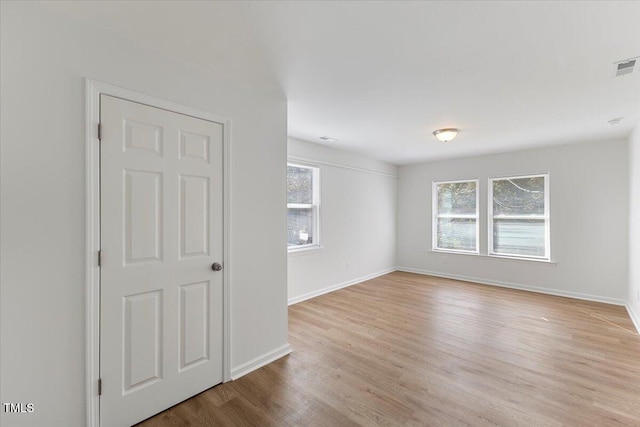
[[445, 135]]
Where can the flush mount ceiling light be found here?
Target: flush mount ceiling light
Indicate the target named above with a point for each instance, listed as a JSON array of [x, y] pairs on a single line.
[[445, 135]]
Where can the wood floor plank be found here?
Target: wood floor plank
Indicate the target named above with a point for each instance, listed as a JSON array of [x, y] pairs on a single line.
[[412, 350]]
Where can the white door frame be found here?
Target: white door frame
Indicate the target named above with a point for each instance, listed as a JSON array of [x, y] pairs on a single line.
[[92, 223]]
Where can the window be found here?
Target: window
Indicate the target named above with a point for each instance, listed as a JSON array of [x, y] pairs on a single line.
[[455, 216], [303, 195], [519, 216]]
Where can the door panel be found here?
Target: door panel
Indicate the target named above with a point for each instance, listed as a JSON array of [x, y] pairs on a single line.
[[144, 137], [161, 230], [194, 146], [194, 324], [194, 216], [142, 339], [142, 216]]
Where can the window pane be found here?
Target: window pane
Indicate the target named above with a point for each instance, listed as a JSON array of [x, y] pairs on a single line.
[[299, 226], [457, 233], [518, 196], [457, 198], [519, 237], [299, 185]]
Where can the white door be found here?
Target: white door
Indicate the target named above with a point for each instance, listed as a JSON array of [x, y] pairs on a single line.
[[161, 233]]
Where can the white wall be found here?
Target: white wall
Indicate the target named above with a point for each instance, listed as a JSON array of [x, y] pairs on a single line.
[[357, 221], [633, 299], [45, 58], [589, 208]]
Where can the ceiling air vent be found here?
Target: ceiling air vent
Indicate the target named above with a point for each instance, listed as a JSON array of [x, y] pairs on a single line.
[[328, 139], [625, 67]]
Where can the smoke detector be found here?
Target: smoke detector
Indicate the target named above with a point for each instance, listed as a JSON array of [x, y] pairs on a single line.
[[625, 67]]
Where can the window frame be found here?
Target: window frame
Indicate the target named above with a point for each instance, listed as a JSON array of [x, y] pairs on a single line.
[[546, 217], [314, 206], [435, 216]]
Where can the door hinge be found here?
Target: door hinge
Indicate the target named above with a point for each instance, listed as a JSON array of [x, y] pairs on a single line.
[[99, 132], [99, 386], [99, 258]]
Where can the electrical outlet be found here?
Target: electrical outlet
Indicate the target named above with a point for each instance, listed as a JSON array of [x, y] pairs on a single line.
[[348, 265]]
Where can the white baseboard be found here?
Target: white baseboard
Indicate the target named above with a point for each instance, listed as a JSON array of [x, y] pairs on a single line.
[[548, 291], [260, 361], [634, 317], [332, 288]]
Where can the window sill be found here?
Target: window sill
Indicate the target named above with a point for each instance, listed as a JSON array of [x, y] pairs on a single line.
[[497, 257], [309, 250], [452, 251]]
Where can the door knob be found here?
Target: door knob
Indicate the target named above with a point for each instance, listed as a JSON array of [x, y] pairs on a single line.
[[216, 266]]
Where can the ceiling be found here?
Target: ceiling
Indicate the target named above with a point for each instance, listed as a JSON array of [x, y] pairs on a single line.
[[382, 76]]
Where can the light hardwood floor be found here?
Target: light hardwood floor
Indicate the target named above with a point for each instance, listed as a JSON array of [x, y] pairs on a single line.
[[413, 350]]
